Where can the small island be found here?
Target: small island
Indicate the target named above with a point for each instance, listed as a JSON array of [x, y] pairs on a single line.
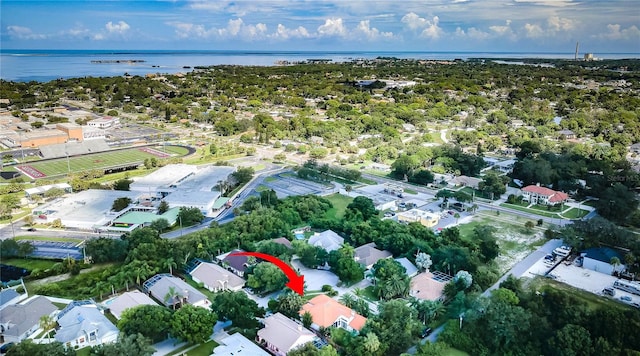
[[125, 61]]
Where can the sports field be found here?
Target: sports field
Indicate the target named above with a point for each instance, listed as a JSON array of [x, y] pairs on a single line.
[[93, 161]]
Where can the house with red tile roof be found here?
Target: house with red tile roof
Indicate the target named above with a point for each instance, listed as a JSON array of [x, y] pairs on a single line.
[[327, 312], [536, 194]]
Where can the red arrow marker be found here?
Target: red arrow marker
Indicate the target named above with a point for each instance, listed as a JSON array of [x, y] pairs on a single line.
[[296, 282]]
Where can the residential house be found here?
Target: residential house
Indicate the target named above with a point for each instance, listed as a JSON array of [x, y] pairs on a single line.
[[82, 324], [536, 194], [237, 264], [635, 148], [410, 269], [281, 335], [216, 278], [172, 291], [464, 181], [567, 134], [420, 216], [427, 286], [599, 259], [237, 345], [9, 297], [282, 241], [505, 166], [19, 321], [128, 300], [326, 312], [367, 255], [327, 240]]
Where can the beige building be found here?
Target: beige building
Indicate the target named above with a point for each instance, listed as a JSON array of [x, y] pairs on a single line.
[[420, 216]]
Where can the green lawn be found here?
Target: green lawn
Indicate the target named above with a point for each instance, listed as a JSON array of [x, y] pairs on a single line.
[[83, 351], [339, 203], [176, 150], [46, 238], [528, 210], [205, 349], [92, 161], [29, 263], [454, 352], [593, 301], [575, 213]]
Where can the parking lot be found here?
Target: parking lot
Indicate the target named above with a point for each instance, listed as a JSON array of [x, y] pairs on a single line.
[[285, 185], [56, 250]]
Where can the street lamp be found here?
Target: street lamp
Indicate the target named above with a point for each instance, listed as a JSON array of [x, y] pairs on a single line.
[[68, 165]]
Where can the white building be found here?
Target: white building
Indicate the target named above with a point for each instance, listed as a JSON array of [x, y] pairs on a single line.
[[19, 321], [236, 344], [599, 259], [216, 278], [128, 300], [327, 240], [420, 216], [105, 122], [82, 325]]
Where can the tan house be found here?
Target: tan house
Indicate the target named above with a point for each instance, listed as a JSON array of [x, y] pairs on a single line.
[[327, 312], [367, 255], [128, 300], [216, 278], [427, 286], [281, 335]]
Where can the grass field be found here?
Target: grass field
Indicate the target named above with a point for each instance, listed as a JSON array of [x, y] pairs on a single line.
[[203, 349], [46, 238], [339, 203], [29, 263], [575, 213], [593, 301], [100, 160]]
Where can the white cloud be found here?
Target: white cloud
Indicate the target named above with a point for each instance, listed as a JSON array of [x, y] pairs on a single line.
[[284, 33], [550, 3], [413, 21], [533, 31], [432, 31], [24, 33], [616, 32], [371, 33], [556, 24], [476, 34], [332, 28], [119, 28]]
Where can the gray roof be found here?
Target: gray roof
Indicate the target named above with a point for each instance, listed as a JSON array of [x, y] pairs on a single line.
[[129, 300], [237, 344], [603, 254], [368, 254], [284, 333], [328, 240], [7, 295], [161, 284], [81, 321], [411, 269], [213, 276], [22, 317]]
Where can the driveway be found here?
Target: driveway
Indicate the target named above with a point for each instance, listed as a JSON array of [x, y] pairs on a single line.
[[315, 278]]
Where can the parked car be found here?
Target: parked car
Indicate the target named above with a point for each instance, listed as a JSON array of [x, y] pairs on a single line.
[[426, 332], [31, 229], [450, 212], [625, 298], [4, 348], [637, 305]]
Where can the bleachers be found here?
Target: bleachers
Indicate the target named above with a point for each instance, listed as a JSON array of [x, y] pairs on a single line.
[[74, 148]]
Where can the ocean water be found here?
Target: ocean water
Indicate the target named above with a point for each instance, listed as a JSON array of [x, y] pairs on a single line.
[[46, 65]]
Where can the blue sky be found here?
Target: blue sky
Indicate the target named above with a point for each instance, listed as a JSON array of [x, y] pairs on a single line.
[[429, 25]]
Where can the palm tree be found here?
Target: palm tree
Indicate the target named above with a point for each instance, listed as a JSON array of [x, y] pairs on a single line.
[[615, 262], [474, 208], [169, 263], [47, 324], [347, 299], [171, 296], [457, 216], [371, 343], [358, 292], [100, 288]]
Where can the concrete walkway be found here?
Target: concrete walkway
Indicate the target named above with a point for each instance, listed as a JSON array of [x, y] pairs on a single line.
[[167, 346]]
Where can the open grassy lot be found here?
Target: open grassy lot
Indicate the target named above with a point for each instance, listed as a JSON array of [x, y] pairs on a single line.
[[575, 213], [89, 162], [515, 241], [29, 263], [175, 150], [46, 238], [339, 203], [529, 210]]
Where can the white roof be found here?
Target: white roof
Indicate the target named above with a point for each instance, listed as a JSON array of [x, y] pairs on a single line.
[[81, 320], [411, 269], [284, 333], [129, 300], [213, 275], [328, 240], [238, 345], [45, 188], [164, 177]]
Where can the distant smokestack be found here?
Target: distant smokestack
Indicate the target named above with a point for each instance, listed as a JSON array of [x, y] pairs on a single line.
[[575, 58]]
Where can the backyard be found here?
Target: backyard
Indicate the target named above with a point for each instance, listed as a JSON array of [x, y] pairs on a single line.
[[339, 203]]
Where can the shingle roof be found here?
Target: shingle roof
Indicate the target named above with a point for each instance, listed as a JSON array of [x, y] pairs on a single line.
[[328, 240], [22, 317], [129, 300], [410, 268], [164, 283], [236, 344], [325, 311], [238, 262], [6, 295], [284, 333], [368, 254], [82, 320], [213, 275]]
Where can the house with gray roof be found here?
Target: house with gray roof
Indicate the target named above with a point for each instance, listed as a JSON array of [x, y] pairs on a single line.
[[85, 325], [367, 255], [327, 240], [236, 344], [128, 300], [9, 297], [216, 278], [410, 269], [172, 291], [19, 321], [281, 335]]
